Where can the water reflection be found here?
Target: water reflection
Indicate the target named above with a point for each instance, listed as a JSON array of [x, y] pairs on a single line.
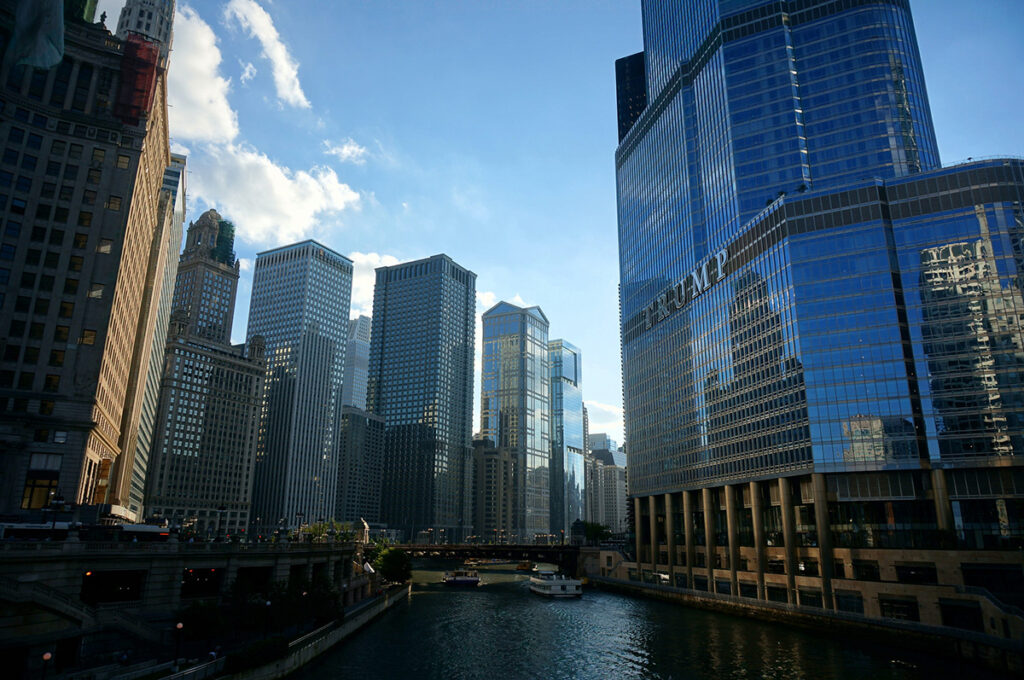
[[501, 630]]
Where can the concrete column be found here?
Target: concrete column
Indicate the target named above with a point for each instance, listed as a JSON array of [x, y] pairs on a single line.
[[943, 508], [688, 536], [756, 513], [75, 67], [821, 522], [731, 522], [709, 534], [789, 537], [652, 506], [638, 524], [670, 536]]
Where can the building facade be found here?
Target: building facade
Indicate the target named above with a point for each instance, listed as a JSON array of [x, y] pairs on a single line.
[[150, 19], [515, 410], [172, 206], [421, 383], [300, 306], [568, 478], [360, 464], [201, 470], [821, 326], [357, 363], [492, 492], [86, 147]]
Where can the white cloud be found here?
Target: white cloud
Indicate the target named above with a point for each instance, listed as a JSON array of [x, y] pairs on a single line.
[[197, 93], [178, 147], [248, 71], [269, 203], [255, 20], [605, 418], [245, 264], [348, 151], [363, 279]]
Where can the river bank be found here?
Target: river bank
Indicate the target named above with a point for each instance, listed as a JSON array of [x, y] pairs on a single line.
[[1001, 656], [305, 649]]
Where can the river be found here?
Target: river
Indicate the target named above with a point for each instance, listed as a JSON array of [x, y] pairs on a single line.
[[501, 630]]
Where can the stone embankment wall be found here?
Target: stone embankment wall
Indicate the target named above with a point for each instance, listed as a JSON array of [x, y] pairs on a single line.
[[307, 651], [994, 653]]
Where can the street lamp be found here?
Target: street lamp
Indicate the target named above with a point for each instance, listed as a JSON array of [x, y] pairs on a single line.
[[266, 622], [46, 662], [177, 643]]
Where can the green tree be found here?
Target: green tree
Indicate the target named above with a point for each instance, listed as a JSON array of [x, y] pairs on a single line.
[[394, 564], [595, 533]]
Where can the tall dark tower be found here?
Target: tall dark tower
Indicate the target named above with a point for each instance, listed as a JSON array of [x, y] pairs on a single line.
[[421, 383]]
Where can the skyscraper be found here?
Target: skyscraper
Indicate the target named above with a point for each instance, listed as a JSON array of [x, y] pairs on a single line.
[[357, 363], [80, 264], [568, 478], [300, 306], [421, 383], [361, 447], [515, 411], [172, 206], [821, 332], [201, 470], [492, 492]]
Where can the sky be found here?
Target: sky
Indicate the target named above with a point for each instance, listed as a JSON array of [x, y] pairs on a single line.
[[394, 130]]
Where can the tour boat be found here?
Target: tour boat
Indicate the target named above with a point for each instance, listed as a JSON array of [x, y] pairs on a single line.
[[524, 566], [461, 577], [550, 584]]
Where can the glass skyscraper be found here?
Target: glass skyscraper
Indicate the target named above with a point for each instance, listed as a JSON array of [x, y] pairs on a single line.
[[821, 326], [567, 447], [515, 410], [357, 363], [421, 383], [300, 305]]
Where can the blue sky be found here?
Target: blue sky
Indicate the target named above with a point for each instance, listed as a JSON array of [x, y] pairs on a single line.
[[486, 130]]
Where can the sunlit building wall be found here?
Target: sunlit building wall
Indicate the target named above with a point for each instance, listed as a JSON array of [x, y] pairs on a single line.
[[568, 478], [300, 307], [515, 410]]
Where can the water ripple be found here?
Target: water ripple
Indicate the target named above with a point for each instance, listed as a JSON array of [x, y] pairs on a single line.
[[500, 630]]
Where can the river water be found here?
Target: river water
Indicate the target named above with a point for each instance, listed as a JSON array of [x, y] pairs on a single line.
[[501, 630]]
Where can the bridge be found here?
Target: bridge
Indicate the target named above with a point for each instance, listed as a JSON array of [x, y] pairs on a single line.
[[565, 556]]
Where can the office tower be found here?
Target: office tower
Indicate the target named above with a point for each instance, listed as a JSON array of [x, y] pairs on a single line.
[[515, 410], [172, 206], [85, 150], [357, 363], [150, 19], [599, 441], [822, 347], [360, 461], [568, 478], [421, 383], [201, 472], [492, 492], [300, 306]]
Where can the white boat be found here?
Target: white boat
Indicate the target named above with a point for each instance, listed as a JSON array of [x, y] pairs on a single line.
[[550, 584], [461, 577]]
